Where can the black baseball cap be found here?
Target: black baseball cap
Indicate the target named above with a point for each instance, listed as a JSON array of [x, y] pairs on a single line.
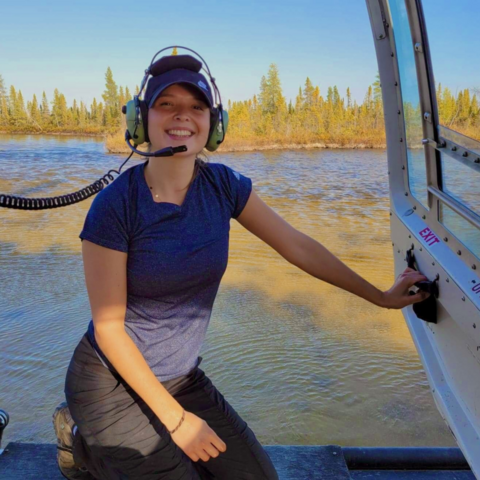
[[175, 69]]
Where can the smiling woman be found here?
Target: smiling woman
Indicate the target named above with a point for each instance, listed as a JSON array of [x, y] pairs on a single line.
[[155, 249]]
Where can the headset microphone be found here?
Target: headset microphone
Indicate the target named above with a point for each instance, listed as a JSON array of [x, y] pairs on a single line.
[[164, 152]]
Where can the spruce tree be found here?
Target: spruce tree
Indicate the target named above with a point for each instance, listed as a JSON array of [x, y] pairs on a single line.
[[3, 104], [45, 109], [110, 97], [308, 93], [94, 112], [34, 112]]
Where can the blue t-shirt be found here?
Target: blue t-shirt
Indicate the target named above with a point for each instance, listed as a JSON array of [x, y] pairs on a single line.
[[177, 256]]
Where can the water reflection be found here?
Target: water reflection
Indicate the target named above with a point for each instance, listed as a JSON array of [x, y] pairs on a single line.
[[302, 361]]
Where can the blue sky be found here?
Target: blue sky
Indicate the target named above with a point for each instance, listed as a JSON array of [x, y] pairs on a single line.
[[70, 44]]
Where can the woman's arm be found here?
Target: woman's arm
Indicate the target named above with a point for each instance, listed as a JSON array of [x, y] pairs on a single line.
[[106, 279], [313, 258]]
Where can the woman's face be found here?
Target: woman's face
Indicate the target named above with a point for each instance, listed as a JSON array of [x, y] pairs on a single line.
[[179, 117]]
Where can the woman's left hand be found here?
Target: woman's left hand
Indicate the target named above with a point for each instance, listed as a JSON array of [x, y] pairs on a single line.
[[397, 297]]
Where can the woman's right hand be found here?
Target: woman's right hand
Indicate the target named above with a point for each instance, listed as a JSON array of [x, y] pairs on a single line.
[[197, 439]]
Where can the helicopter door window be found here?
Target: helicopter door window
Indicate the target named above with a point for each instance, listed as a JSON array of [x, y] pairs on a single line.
[[457, 92], [412, 115], [460, 160], [461, 168], [467, 233]]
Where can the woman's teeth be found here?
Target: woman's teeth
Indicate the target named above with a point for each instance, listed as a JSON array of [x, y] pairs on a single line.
[[180, 133]]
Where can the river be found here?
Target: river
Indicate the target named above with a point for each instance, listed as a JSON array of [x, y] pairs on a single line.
[[303, 362]]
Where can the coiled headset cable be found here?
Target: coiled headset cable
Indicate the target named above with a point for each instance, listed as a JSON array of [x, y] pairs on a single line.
[[25, 203]]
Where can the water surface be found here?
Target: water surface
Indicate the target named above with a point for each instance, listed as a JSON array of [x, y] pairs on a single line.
[[303, 362]]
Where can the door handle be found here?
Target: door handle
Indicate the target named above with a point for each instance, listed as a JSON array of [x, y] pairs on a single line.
[[426, 310]]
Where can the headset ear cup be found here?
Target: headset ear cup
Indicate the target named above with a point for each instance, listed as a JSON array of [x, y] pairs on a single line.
[[213, 125], [144, 113], [137, 115], [130, 116], [218, 129]]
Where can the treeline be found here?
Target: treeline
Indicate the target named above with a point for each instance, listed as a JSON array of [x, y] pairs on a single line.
[[44, 116], [312, 118], [333, 119], [266, 119]]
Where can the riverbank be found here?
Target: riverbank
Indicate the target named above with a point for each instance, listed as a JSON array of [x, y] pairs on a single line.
[[116, 143]]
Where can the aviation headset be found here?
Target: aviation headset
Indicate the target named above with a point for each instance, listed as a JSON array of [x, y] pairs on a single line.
[[136, 112]]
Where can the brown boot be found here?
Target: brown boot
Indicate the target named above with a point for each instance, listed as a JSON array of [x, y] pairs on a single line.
[[63, 425]]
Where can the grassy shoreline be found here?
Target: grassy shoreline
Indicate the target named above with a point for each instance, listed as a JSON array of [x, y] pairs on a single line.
[[116, 144]]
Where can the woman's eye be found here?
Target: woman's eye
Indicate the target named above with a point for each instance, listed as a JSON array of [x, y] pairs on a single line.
[[198, 107]]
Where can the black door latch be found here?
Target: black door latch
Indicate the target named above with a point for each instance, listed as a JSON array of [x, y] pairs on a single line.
[[427, 309]]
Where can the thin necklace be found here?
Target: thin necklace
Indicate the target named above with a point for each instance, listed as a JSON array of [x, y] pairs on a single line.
[[194, 172]]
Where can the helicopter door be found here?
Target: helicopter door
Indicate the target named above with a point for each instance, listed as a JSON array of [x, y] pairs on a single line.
[[434, 178]]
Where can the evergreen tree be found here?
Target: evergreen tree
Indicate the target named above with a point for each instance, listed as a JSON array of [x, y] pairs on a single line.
[[110, 97], [34, 112], [3, 90], [45, 109], [263, 95], [75, 113], [60, 114], [82, 115], [94, 112], [349, 99], [100, 114], [271, 97], [291, 110], [308, 93], [299, 100], [3, 102]]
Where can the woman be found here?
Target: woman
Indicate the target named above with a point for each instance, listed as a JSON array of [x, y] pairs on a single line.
[[155, 247]]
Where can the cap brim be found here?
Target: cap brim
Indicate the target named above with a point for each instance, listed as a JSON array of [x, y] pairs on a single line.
[[163, 87]]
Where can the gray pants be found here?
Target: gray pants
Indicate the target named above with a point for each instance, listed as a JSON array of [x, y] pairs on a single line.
[[119, 437]]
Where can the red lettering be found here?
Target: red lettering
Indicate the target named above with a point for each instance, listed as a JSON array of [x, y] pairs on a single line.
[[429, 237]]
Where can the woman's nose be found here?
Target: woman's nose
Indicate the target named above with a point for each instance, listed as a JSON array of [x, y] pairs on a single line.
[[181, 116], [182, 113]]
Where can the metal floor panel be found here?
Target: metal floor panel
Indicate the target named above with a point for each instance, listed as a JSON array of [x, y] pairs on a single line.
[[31, 461]]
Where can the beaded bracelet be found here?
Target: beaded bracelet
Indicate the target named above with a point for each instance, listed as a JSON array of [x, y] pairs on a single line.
[[179, 424]]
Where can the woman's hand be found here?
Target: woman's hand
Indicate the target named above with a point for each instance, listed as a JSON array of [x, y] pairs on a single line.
[[398, 297], [197, 439]]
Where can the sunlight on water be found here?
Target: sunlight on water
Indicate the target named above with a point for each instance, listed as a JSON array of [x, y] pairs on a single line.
[[303, 362]]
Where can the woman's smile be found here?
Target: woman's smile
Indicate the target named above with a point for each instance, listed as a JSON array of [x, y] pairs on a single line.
[[179, 134]]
